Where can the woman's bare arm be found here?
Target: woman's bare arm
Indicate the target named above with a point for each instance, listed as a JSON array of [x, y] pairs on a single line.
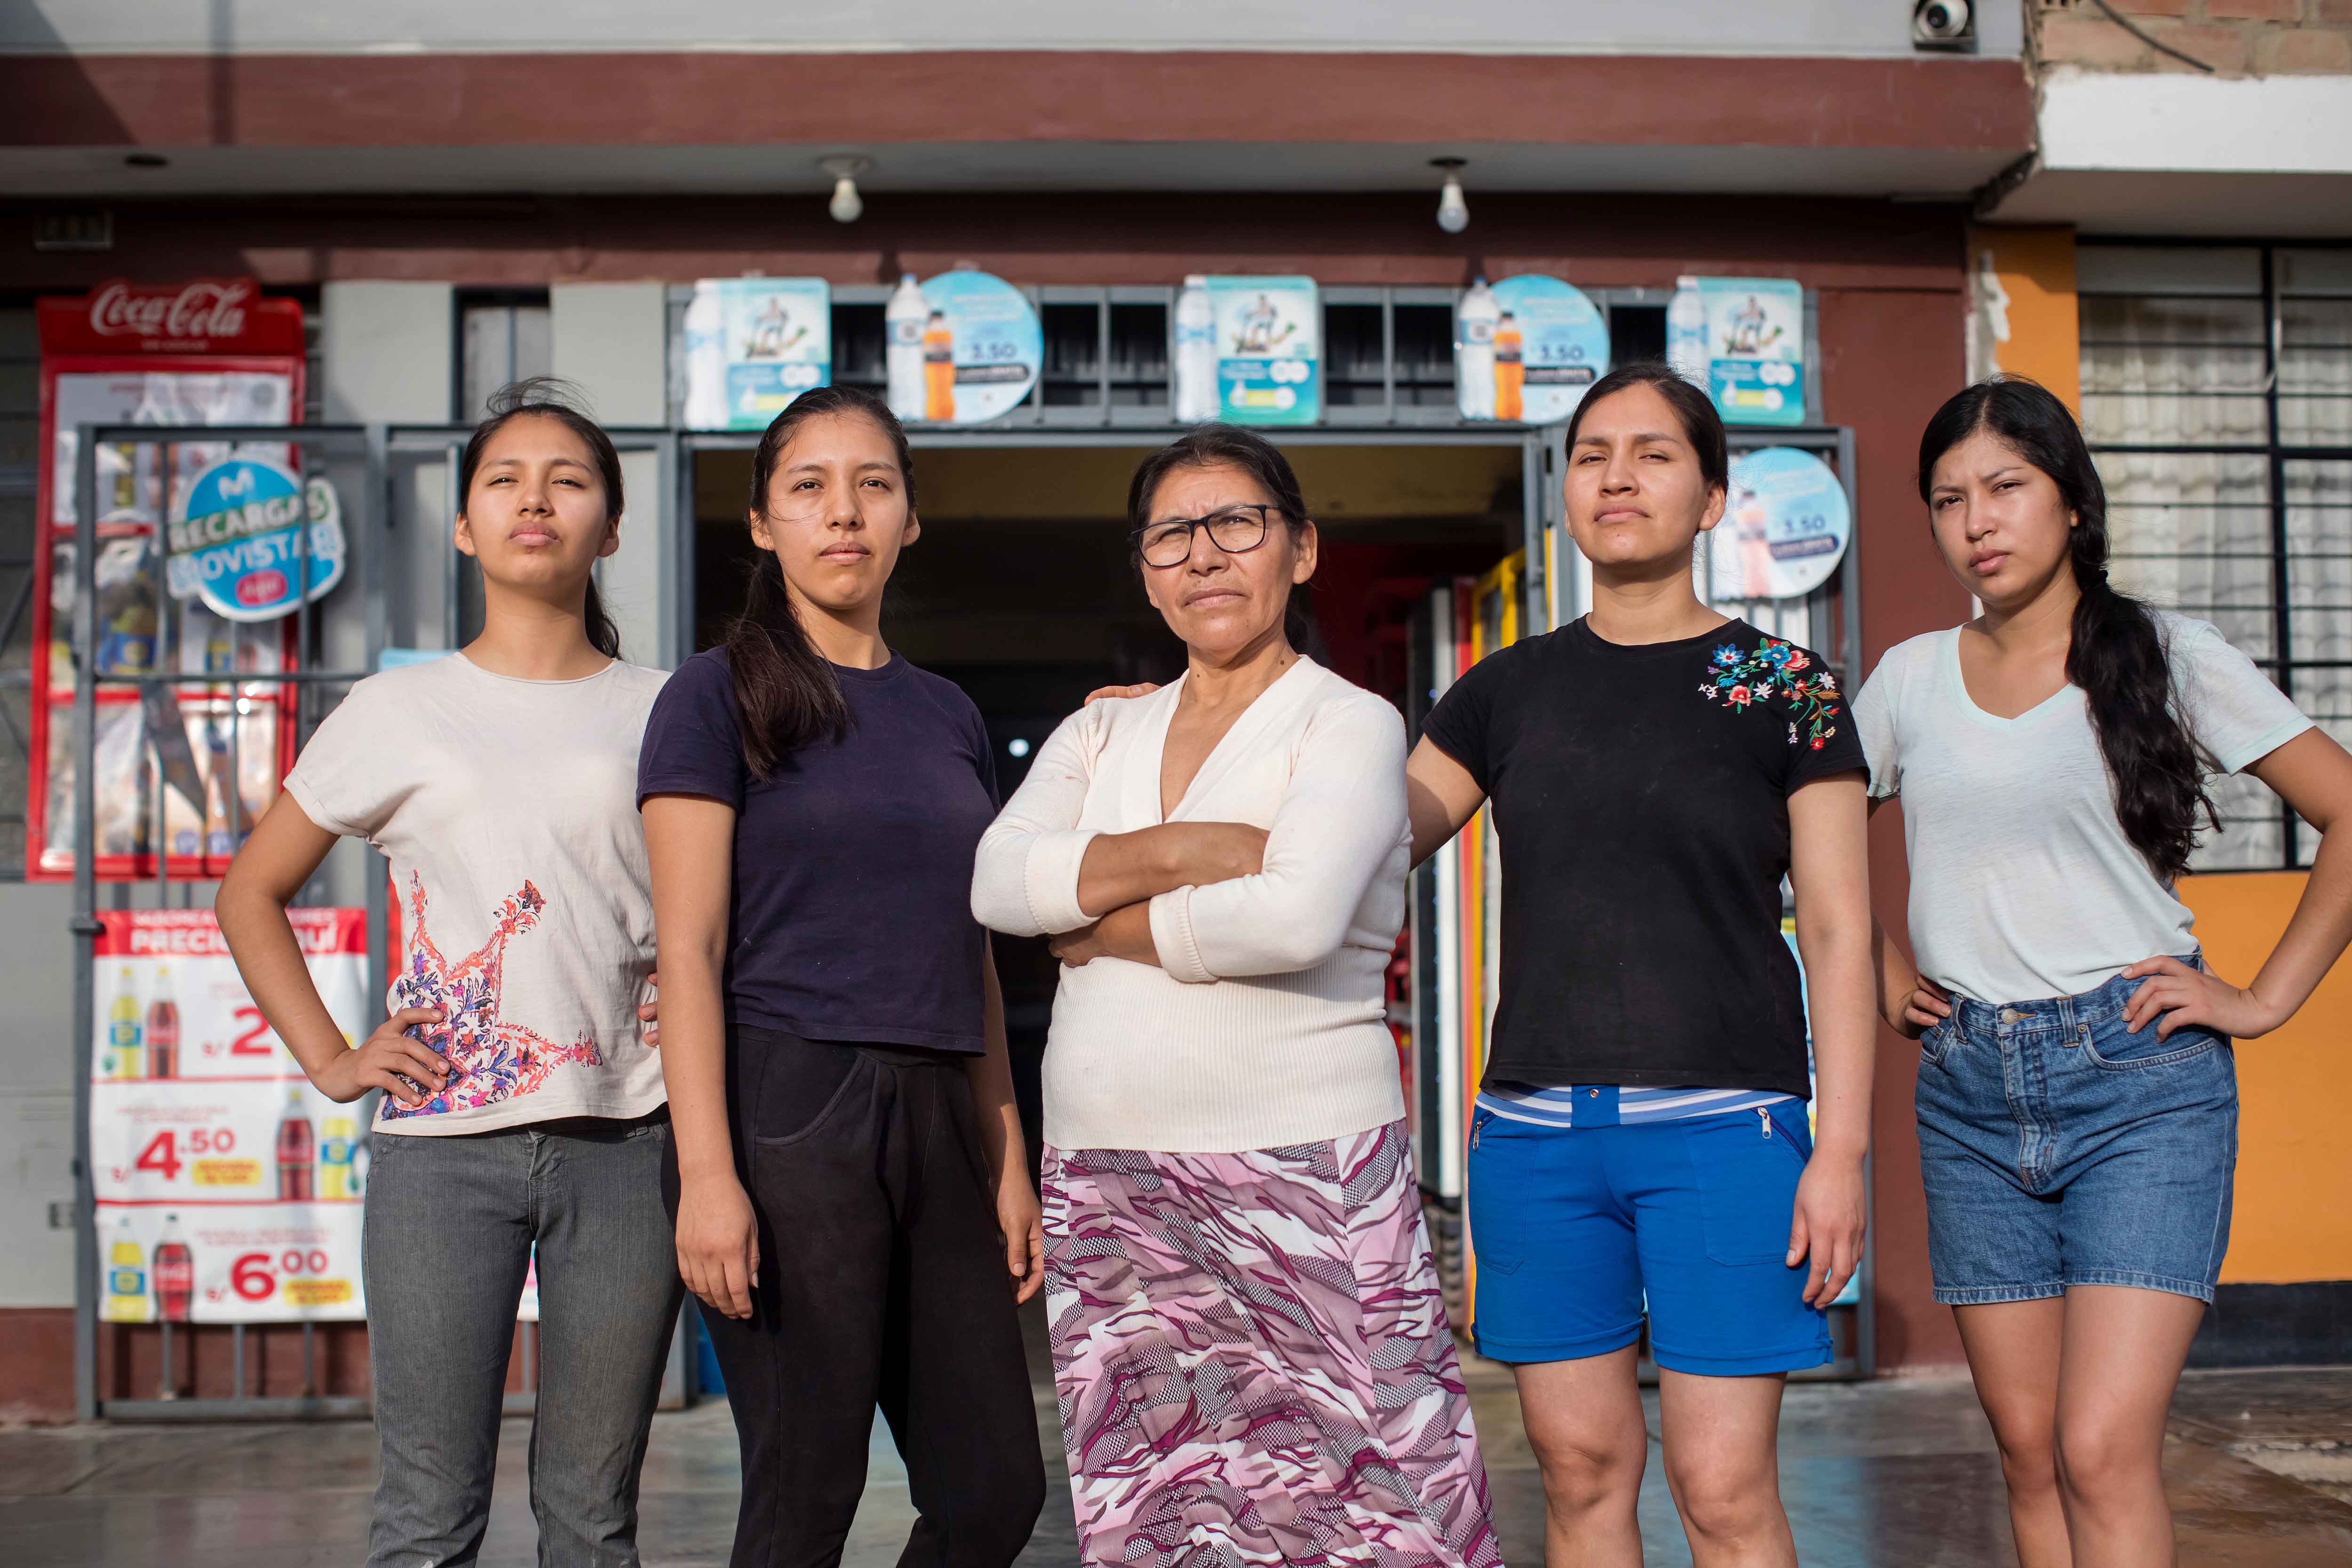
[[2312, 775], [283, 853], [690, 843], [1440, 798], [1018, 1218], [1830, 871]]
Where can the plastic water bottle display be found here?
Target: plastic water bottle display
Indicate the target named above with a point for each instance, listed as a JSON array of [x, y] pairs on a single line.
[[164, 1029], [296, 1150], [126, 1276], [1475, 320], [175, 1273], [123, 1033], [1688, 353], [1196, 353], [903, 320]]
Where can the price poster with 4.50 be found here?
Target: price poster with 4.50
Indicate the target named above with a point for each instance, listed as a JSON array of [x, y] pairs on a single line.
[[228, 1189]]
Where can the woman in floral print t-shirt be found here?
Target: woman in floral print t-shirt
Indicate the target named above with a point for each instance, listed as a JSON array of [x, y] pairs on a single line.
[[523, 1113], [1640, 1149]]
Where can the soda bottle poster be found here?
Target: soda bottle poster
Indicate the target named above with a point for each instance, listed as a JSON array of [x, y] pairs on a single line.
[[1549, 343], [1269, 350], [753, 344], [1784, 529], [1756, 347], [228, 1189], [981, 347]]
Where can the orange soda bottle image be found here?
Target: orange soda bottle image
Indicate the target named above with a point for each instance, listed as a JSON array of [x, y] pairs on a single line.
[[938, 368], [1511, 369]]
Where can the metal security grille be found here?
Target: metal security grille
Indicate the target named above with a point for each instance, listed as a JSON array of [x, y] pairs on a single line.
[[2216, 392]]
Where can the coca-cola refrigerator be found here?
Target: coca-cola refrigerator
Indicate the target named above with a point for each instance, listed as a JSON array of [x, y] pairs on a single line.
[[181, 770]]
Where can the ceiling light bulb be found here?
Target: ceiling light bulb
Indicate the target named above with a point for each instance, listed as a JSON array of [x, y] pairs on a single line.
[[846, 205], [1453, 212]]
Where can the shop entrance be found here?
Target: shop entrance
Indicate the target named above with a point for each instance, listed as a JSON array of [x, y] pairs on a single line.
[[1022, 592]]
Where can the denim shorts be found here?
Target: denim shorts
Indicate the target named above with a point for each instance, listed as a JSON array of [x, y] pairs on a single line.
[[1581, 1232], [2060, 1148]]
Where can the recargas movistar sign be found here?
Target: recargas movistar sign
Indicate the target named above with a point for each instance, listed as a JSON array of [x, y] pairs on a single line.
[[254, 539]]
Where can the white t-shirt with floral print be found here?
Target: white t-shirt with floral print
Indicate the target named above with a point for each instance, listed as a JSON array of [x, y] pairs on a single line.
[[524, 909]]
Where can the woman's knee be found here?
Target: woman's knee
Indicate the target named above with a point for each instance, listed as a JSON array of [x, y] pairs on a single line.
[[2097, 1459], [1724, 1496], [1587, 1470]]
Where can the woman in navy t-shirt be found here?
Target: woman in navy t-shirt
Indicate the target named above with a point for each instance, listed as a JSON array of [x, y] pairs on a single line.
[[847, 1174]]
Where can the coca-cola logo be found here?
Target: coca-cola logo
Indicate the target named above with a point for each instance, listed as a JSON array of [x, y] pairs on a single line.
[[201, 310]]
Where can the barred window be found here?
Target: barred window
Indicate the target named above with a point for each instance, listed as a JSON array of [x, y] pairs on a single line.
[[2217, 393]]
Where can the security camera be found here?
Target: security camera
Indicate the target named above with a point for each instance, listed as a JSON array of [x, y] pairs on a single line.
[[1942, 25]]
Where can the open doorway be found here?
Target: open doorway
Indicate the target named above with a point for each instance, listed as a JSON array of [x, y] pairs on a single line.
[[1022, 590]]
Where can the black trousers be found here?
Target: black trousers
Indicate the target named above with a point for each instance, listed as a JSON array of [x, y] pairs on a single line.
[[882, 1281]]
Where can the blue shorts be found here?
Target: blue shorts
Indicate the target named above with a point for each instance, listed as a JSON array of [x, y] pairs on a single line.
[[1576, 1229], [2059, 1149]]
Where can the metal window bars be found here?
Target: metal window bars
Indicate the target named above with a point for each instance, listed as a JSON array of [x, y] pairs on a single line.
[[370, 454]]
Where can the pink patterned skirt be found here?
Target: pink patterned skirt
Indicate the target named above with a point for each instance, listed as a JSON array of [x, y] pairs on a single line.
[[1254, 1361]]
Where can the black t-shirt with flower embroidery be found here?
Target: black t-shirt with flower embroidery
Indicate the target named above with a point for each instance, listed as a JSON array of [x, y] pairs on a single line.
[[1641, 798]]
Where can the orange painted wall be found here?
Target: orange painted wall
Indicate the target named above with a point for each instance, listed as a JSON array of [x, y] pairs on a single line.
[[2035, 271], [2291, 1221]]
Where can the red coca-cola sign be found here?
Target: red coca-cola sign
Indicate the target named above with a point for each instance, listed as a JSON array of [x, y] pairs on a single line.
[[204, 315]]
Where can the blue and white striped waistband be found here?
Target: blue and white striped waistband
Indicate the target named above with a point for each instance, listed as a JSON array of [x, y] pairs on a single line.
[[1555, 1107]]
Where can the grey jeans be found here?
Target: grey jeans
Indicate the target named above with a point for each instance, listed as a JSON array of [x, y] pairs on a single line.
[[450, 1226]]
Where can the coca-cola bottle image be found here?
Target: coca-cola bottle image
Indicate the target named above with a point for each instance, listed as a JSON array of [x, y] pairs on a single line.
[[164, 1029], [296, 1150], [173, 1267]]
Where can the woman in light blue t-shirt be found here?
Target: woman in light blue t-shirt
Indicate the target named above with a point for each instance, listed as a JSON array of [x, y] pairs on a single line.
[[2077, 1095]]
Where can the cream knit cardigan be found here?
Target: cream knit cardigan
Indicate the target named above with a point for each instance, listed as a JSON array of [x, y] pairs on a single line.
[[1263, 1026]]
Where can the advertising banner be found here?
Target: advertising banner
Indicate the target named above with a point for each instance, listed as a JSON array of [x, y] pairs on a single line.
[[1784, 529], [207, 352], [228, 1189], [1756, 349], [1525, 349], [237, 540], [1269, 336], [979, 348], [753, 344]]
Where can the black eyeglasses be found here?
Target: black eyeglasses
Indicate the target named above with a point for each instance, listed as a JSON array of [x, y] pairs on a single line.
[[1236, 531]]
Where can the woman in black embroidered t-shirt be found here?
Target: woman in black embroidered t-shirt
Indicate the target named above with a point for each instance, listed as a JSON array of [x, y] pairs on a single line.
[[1640, 1145]]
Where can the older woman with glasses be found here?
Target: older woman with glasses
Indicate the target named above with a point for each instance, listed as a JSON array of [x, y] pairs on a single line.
[[1253, 1356]]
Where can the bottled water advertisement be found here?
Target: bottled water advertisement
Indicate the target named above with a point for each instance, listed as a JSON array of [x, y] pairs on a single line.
[[1269, 345], [963, 348], [753, 344], [1754, 348], [1784, 529], [1525, 348], [228, 1189]]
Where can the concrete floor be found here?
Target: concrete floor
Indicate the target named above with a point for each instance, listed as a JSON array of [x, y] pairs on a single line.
[[2259, 1469]]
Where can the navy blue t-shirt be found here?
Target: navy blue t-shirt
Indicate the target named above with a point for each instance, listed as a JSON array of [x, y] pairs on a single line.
[[850, 917]]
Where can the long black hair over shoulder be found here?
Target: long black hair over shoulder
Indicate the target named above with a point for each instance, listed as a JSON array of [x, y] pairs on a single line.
[[786, 695], [2154, 762]]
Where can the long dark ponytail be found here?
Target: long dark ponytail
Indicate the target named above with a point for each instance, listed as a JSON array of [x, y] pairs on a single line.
[[2156, 766], [786, 694], [548, 398]]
